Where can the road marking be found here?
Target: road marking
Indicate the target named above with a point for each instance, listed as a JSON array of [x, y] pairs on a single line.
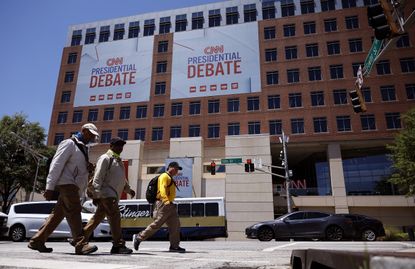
[[279, 247]]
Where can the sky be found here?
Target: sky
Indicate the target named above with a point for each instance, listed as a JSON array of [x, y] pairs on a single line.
[[33, 35]]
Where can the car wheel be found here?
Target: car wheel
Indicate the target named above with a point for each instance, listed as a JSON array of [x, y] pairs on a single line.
[[17, 233], [265, 234], [369, 235], [334, 233]]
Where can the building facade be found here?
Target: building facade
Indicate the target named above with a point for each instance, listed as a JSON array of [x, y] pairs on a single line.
[[223, 80]]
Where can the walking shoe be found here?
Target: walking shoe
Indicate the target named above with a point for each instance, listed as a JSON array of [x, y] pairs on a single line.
[[177, 249], [121, 250], [86, 249], [39, 247], [136, 241]]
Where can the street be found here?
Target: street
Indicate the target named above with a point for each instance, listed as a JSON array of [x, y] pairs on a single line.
[[200, 254]]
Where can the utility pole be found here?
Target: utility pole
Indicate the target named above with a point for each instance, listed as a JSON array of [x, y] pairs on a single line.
[[284, 140]]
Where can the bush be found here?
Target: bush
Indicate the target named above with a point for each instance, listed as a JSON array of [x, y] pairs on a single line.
[[393, 234]]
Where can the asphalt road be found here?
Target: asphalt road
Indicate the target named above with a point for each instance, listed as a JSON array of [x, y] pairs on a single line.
[[200, 254]]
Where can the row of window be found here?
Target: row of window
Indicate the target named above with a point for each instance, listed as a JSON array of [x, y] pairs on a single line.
[[320, 125], [214, 19]]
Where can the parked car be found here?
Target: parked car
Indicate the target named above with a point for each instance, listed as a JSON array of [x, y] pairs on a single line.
[[302, 225], [25, 219], [366, 228], [3, 224]]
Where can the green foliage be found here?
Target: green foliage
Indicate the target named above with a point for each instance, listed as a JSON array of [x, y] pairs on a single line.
[[393, 234], [403, 155]]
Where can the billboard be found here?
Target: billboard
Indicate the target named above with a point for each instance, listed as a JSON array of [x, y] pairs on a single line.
[[115, 72], [216, 61], [184, 178]]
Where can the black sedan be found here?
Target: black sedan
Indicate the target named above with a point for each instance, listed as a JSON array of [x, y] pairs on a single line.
[[302, 225], [366, 228]]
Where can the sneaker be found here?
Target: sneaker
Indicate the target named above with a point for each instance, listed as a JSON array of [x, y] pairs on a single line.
[[86, 249], [121, 250], [136, 241], [39, 247], [178, 249]]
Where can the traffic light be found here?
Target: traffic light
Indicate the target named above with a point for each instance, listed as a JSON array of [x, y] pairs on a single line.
[[358, 101], [381, 19], [213, 168], [249, 166]]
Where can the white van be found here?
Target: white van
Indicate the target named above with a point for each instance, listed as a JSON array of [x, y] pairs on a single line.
[[25, 219]]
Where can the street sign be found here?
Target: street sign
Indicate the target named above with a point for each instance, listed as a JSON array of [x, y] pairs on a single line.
[[371, 56], [231, 160]]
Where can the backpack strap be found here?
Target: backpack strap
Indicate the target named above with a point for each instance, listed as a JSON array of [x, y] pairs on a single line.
[[172, 182], [82, 149]]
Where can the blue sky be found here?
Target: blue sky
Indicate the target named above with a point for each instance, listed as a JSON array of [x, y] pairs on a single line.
[[32, 39]]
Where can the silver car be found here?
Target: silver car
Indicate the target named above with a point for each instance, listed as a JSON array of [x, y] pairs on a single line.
[[25, 219]]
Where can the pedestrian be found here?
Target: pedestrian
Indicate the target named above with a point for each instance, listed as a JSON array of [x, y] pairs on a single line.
[[68, 174], [165, 211], [109, 182]]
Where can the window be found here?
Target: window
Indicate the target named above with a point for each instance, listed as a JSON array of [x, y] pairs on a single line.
[[62, 117], [214, 17], [293, 75], [76, 37], [249, 12], [336, 71], [233, 128], [340, 97], [274, 101], [163, 46], [194, 130], [175, 131], [160, 88], [194, 108], [270, 55], [295, 100], [164, 26], [343, 123], [140, 134], [291, 52], [197, 20], [289, 30], [388, 93], [383, 67], [320, 124], [108, 113], [314, 73], [90, 36], [393, 120], [410, 91], [233, 105], [181, 23], [317, 98], [69, 76], [272, 78], [348, 3], [287, 8], [367, 95], [119, 31], [355, 68], [297, 126], [157, 134], [59, 137], [403, 41], [104, 33], [93, 114], [355, 45], [72, 58], [141, 112], [213, 106], [269, 33], [254, 127], [106, 136], [123, 133], [77, 116], [352, 22], [309, 27], [333, 47], [232, 15], [253, 103], [275, 127], [149, 27], [124, 113], [213, 130], [368, 122], [407, 65], [161, 67], [133, 29], [158, 110], [307, 6], [66, 97], [330, 25], [327, 5], [311, 50], [268, 10], [176, 109]]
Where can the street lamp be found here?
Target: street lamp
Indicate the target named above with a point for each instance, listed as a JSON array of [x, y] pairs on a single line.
[[284, 140]]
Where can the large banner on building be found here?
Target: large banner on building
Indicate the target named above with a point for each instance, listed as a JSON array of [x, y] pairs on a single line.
[[216, 61], [115, 72], [184, 178]]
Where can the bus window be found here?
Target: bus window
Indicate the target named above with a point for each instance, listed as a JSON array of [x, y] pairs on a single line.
[[198, 210], [183, 210], [212, 209]]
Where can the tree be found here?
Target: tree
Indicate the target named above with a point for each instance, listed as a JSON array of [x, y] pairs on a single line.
[[17, 161], [403, 155]]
